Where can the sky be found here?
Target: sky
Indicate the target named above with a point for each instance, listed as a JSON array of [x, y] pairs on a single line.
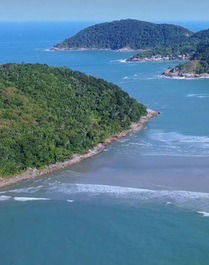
[[104, 10]]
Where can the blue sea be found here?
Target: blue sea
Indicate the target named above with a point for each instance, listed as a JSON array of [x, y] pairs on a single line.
[[144, 200]]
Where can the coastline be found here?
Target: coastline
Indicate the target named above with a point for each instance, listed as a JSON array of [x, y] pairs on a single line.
[[186, 76], [153, 60], [92, 49], [77, 158]]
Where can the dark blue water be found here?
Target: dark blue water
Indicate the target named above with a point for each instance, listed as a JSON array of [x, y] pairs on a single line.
[[145, 200]]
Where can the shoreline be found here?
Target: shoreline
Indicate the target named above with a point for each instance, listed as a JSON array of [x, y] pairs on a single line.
[[92, 49], [186, 76], [151, 60], [77, 158]]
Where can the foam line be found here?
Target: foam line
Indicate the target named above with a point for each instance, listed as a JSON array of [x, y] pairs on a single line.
[[4, 198], [24, 199], [204, 214]]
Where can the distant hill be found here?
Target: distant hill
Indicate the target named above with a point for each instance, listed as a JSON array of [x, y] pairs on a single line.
[[48, 114], [198, 66], [127, 33], [200, 37]]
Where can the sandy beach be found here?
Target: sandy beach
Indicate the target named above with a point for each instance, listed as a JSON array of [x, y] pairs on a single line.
[[75, 159]]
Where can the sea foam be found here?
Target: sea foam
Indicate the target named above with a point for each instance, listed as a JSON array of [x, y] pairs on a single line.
[[24, 199], [175, 144], [204, 214], [118, 61], [71, 201], [128, 191], [141, 77], [4, 198], [170, 137], [203, 95], [26, 190], [197, 201]]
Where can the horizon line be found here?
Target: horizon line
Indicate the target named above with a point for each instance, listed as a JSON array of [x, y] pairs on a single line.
[[95, 21]]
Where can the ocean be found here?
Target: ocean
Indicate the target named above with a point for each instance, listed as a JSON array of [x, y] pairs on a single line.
[[144, 200]]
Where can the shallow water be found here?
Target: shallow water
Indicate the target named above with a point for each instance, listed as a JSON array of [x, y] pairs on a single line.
[[145, 200]]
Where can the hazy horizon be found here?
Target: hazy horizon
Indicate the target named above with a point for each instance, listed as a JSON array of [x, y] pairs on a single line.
[[78, 25], [94, 11]]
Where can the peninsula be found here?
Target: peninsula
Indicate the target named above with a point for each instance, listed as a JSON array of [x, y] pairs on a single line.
[[197, 67], [160, 55], [52, 118]]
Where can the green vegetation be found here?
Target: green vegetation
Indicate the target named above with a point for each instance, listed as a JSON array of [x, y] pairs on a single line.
[[172, 53], [177, 51], [49, 114], [129, 33], [198, 64], [154, 41], [200, 37]]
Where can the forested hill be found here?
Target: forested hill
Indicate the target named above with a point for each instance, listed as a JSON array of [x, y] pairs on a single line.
[[198, 66], [129, 33], [200, 37], [48, 114], [202, 53], [181, 51], [178, 52]]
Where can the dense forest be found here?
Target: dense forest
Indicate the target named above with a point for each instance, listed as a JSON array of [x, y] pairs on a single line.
[[184, 50], [180, 51], [129, 33], [200, 37], [48, 114]]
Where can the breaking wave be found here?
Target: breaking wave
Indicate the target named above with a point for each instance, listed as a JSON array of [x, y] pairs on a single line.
[[197, 201], [25, 199], [204, 214], [4, 198], [118, 61], [202, 95], [140, 76]]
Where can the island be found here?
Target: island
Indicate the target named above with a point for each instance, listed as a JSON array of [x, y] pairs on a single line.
[[196, 67], [52, 118], [126, 35]]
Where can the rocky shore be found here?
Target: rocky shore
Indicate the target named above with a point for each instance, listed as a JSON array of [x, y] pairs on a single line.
[[179, 75], [75, 159], [157, 58]]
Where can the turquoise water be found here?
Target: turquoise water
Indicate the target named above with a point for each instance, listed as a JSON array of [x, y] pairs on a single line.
[[92, 233], [145, 200]]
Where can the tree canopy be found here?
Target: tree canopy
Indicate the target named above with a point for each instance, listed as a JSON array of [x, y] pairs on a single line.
[[48, 114], [130, 33]]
